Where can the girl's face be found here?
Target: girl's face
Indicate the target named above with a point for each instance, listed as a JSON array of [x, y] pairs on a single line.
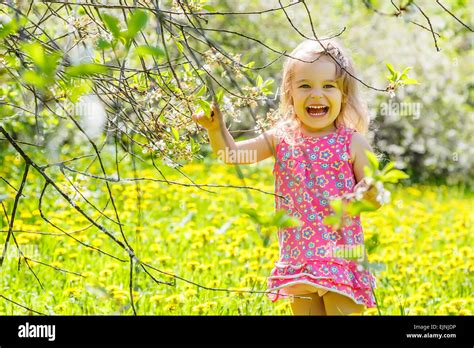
[[316, 94]]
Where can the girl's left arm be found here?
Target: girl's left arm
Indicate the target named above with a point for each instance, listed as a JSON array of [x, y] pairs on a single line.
[[359, 160]]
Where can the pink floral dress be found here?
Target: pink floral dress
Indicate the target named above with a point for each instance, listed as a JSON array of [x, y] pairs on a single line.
[[307, 174]]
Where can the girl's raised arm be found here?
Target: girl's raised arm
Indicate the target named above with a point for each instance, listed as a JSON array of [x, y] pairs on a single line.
[[224, 146]]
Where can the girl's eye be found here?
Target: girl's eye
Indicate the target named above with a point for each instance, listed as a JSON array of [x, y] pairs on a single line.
[[329, 86], [305, 86]]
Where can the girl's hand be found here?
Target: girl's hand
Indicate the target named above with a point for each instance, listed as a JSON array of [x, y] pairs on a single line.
[[365, 189], [211, 122], [368, 190]]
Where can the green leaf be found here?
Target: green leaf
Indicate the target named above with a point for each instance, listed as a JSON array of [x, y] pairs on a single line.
[[175, 133], [394, 176], [372, 243], [149, 50], [219, 96], [404, 72], [162, 118], [33, 78], [390, 68], [205, 106], [36, 52], [374, 162], [179, 46], [336, 205], [267, 84], [410, 81], [283, 220], [194, 145], [332, 220], [259, 81], [11, 27], [209, 8], [253, 214], [368, 172], [357, 207], [103, 43], [77, 89], [137, 21], [86, 69], [201, 91], [388, 167], [123, 39], [111, 23]]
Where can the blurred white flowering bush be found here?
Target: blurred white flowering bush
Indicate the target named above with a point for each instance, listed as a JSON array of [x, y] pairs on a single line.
[[150, 73]]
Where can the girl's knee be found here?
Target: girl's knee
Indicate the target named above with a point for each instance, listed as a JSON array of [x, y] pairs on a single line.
[[311, 304], [337, 304]]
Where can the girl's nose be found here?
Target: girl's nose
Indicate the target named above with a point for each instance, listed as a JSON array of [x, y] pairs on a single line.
[[317, 93]]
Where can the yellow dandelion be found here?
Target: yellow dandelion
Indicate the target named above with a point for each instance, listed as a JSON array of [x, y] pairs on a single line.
[[120, 296], [225, 262], [283, 307], [211, 304], [190, 293], [250, 278], [371, 311], [112, 288], [197, 246], [213, 283], [60, 251], [163, 259], [112, 266], [22, 239], [54, 264], [97, 242], [200, 308], [239, 292], [424, 287], [72, 292], [105, 273], [175, 299], [170, 307], [26, 215], [87, 274], [62, 307], [171, 237], [193, 265]]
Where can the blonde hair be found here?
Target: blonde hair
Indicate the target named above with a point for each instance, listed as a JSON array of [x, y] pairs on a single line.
[[353, 112]]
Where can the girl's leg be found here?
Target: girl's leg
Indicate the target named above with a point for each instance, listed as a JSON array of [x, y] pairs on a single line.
[[314, 306], [336, 304]]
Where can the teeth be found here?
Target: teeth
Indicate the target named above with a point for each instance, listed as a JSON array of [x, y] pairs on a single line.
[[316, 107]]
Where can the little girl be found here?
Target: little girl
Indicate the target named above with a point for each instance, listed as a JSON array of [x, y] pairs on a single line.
[[319, 152]]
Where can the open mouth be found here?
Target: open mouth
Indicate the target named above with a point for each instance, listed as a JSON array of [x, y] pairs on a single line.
[[317, 110]]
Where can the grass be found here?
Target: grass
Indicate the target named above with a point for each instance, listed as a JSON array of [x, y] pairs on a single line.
[[422, 240]]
